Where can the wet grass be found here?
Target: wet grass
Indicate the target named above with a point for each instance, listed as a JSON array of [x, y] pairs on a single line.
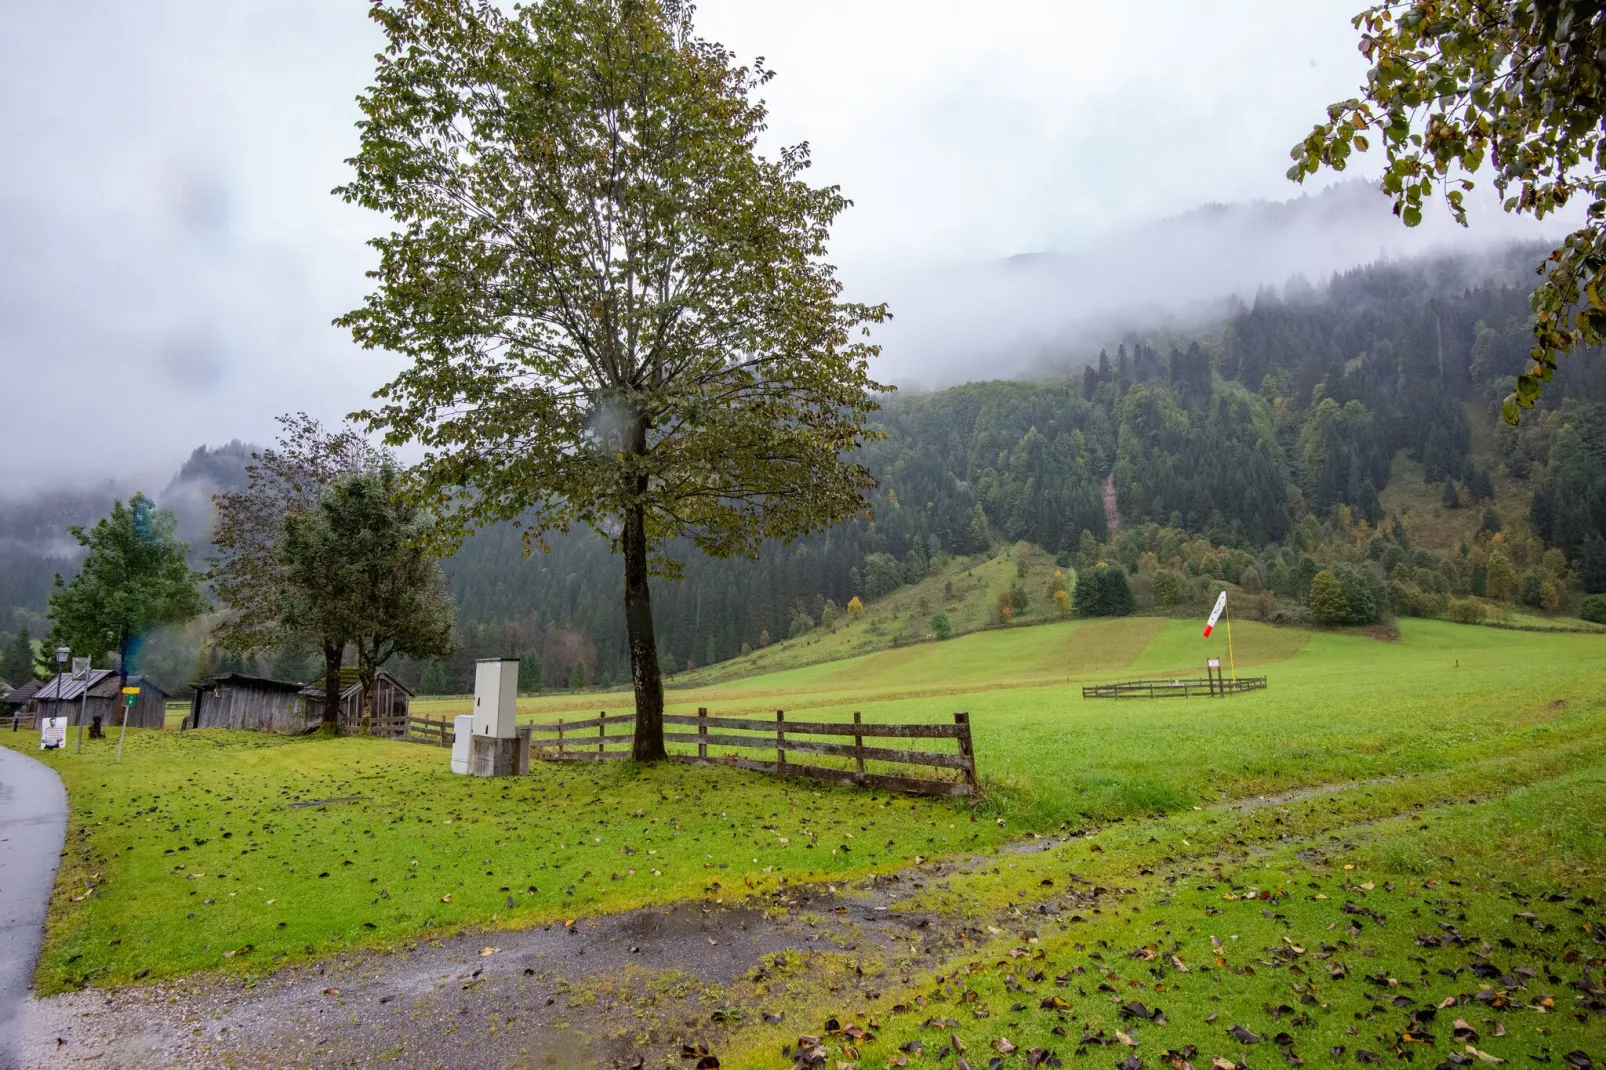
[[1396, 921], [198, 853], [243, 851]]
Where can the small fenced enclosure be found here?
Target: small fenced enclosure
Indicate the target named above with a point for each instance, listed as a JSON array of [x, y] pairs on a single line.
[[1196, 687], [730, 741]]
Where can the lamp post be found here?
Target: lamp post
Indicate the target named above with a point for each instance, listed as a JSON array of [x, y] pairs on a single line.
[[62, 654]]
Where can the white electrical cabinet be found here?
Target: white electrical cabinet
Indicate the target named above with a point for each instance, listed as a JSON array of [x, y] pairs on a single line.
[[496, 696], [462, 742]]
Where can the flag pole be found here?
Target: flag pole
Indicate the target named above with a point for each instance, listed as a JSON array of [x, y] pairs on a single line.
[[1231, 664]]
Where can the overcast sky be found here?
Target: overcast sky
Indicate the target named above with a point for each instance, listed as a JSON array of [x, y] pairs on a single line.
[[170, 256]]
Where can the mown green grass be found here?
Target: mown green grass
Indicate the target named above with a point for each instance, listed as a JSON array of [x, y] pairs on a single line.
[[193, 852], [211, 816], [1224, 917]]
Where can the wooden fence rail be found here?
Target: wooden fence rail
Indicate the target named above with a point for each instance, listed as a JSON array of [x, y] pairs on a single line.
[[1191, 688], [589, 740]]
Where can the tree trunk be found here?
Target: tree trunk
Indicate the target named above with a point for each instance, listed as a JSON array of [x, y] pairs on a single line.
[[367, 672], [331, 683], [648, 745]]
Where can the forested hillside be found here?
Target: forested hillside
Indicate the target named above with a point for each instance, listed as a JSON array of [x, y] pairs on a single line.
[[1245, 435], [1257, 450]]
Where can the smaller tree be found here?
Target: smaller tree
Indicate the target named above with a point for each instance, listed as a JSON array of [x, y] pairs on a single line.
[[855, 608], [1103, 591], [941, 627], [16, 661], [1327, 602], [1167, 588], [359, 566], [1594, 609], [134, 580], [1500, 575], [530, 673], [577, 676], [247, 568]]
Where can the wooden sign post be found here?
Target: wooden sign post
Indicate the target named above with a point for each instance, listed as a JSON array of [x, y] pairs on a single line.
[[129, 695]]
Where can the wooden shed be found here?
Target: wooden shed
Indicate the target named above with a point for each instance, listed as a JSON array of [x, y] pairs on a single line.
[[104, 700], [392, 700], [251, 703], [19, 702]]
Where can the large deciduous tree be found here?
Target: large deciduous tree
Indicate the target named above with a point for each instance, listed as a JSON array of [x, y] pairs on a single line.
[[617, 311], [359, 564], [246, 568], [1519, 82], [134, 579]]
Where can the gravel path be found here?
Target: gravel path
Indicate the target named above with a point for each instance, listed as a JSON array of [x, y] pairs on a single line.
[[596, 993]]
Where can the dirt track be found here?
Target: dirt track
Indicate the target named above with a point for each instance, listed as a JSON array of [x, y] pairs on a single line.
[[597, 993]]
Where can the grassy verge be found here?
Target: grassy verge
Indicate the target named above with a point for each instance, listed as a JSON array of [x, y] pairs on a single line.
[[1379, 922], [242, 851]]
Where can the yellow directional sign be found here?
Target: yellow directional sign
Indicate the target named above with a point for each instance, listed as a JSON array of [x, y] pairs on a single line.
[[130, 690]]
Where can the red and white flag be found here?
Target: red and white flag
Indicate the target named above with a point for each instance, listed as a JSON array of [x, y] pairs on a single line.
[[1215, 614]]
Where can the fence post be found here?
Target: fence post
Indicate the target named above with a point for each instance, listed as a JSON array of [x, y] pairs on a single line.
[[560, 737], [858, 741], [602, 729], [780, 741], [962, 722], [702, 731]]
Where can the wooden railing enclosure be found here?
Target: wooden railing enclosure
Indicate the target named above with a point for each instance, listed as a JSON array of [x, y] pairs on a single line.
[[1192, 688], [438, 731], [589, 740]]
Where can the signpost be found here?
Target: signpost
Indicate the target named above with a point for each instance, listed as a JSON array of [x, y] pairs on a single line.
[[80, 671], [129, 694]]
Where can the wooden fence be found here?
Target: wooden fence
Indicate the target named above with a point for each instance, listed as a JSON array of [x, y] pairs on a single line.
[[589, 740], [1192, 688], [20, 721], [438, 732]]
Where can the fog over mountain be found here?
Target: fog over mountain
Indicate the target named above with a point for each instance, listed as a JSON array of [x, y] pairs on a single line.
[[1038, 312], [171, 257]]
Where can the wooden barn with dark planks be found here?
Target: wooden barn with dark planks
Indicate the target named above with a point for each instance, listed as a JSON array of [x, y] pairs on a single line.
[[104, 700], [251, 704]]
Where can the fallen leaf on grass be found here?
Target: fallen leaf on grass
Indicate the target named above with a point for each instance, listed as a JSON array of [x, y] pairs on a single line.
[[1483, 1055], [1242, 1035], [447, 898]]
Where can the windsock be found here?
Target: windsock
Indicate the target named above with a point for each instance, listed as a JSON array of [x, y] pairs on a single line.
[[1215, 614]]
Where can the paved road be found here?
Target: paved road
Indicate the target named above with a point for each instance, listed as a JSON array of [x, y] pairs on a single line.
[[33, 824]]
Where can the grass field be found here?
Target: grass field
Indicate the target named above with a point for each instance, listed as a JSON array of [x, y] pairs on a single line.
[[200, 852]]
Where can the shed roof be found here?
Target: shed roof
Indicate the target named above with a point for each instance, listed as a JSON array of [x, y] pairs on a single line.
[[23, 692], [102, 683], [235, 679], [315, 690]]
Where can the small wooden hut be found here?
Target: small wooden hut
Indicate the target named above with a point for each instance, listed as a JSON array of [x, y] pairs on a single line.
[[392, 700], [104, 700], [251, 703], [19, 702]]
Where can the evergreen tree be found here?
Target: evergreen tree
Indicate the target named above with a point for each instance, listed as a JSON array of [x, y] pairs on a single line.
[[16, 660], [134, 579], [1103, 591]]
